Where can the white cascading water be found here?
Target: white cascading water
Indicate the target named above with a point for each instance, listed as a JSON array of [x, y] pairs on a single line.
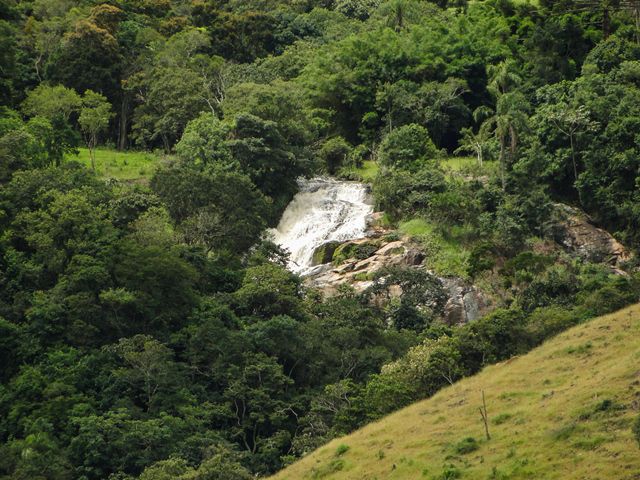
[[324, 210]]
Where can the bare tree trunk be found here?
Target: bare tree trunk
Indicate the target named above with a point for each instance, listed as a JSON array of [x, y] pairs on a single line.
[[165, 142], [485, 418], [636, 17], [575, 167], [124, 123]]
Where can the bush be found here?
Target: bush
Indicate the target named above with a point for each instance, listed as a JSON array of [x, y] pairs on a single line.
[[466, 445], [556, 286], [334, 153], [481, 259], [359, 251], [548, 321], [342, 449], [620, 293], [450, 472], [408, 147], [401, 193]]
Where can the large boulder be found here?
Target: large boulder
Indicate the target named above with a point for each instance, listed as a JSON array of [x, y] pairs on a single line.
[[324, 253], [577, 234], [466, 302]]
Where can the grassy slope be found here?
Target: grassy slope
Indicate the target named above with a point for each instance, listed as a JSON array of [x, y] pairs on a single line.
[[369, 170], [546, 410], [126, 166]]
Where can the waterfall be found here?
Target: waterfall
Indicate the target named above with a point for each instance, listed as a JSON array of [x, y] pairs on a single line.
[[324, 210]]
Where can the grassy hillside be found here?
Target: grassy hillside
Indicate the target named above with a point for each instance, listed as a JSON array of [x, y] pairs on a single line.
[[564, 411], [126, 166]]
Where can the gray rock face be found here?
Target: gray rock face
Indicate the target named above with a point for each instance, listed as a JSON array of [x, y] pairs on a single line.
[[575, 232], [466, 303]]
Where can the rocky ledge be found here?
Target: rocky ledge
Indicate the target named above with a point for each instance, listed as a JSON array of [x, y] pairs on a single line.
[[576, 233], [356, 263]]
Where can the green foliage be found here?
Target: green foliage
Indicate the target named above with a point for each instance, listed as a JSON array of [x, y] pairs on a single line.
[[407, 147], [423, 296], [203, 202], [342, 449], [95, 114], [449, 472], [358, 251], [203, 141], [147, 331], [466, 445], [403, 193], [334, 153]]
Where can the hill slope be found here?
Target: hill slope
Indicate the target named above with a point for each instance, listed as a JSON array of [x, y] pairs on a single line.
[[563, 411]]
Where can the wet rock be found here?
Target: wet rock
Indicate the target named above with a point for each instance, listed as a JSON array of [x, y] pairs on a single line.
[[465, 302], [355, 250]]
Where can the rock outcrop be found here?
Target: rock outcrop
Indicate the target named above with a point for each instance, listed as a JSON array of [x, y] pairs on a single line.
[[576, 233], [465, 302], [357, 261]]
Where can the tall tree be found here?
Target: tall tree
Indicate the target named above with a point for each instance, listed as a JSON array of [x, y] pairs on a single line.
[[94, 118]]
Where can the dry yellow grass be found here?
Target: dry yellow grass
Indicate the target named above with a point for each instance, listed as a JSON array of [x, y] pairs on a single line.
[[563, 411]]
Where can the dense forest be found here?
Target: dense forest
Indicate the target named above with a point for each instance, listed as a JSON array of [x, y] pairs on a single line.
[[151, 330]]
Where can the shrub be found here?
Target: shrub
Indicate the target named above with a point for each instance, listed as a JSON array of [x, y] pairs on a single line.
[[610, 298], [502, 418], [407, 147], [359, 251], [334, 153], [548, 321], [466, 445], [481, 258], [403, 193], [450, 472], [342, 449]]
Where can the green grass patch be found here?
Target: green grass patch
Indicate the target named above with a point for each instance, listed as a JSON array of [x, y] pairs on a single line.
[[366, 173], [460, 163], [502, 418], [126, 166], [342, 449], [469, 166], [445, 255]]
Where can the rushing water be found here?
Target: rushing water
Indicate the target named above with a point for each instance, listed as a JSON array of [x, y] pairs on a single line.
[[324, 210]]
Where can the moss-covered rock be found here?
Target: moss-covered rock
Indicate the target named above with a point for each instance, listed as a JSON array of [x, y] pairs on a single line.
[[324, 253], [358, 251]]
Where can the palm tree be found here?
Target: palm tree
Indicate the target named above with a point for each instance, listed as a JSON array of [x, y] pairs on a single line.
[[506, 123], [401, 13], [503, 77]]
